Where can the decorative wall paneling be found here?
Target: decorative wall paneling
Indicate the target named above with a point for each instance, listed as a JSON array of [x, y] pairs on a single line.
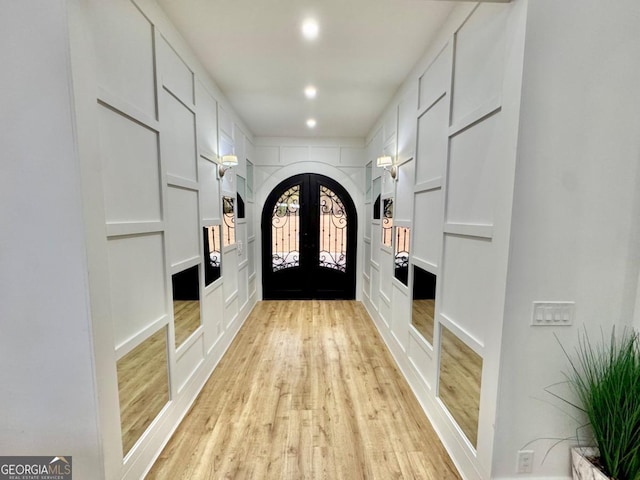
[[210, 206], [478, 166], [374, 286], [276, 159], [225, 125], [459, 208], [406, 137], [402, 204], [156, 114], [137, 264], [400, 314]]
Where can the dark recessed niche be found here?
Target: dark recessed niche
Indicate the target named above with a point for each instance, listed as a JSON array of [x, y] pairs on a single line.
[[424, 284], [240, 207], [186, 284], [212, 254]]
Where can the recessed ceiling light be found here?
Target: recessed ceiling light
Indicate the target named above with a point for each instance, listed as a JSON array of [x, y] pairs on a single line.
[[311, 123], [310, 91], [310, 29]]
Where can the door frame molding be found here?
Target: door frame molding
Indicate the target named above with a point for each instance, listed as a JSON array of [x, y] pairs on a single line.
[[268, 184]]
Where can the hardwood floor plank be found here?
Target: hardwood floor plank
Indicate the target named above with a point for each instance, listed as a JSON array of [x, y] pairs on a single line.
[[307, 390]]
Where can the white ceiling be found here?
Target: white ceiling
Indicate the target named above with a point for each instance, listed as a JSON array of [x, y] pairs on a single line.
[[255, 52]]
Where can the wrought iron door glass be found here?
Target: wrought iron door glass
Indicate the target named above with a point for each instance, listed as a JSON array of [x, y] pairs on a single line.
[[387, 222], [333, 231], [285, 230], [401, 257], [229, 219], [212, 254]]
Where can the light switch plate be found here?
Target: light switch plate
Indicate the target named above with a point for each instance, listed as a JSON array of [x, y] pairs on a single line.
[[553, 314]]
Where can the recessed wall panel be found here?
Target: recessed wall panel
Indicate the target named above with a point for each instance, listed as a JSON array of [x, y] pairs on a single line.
[[124, 54], [176, 76], [241, 240], [367, 258], [352, 156], [330, 155], [188, 362], [435, 80], [473, 177], [243, 284], [250, 208], [390, 124], [230, 273], [470, 291], [137, 283], [231, 312], [421, 359], [209, 190], [386, 272], [374, 288], [251, 256], [479, 59], [252, 285], [401, 315], [384, 309], [427, 229], [207, 108], [131, 169], [178, 139], [212, 317], [266, 156], [225, 123], [290, 155], [407, 126], [402, 205], [183, 224], [376, 242], [433, 135]]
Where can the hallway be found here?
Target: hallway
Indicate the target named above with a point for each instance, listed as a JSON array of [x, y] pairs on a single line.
[[306, 390]]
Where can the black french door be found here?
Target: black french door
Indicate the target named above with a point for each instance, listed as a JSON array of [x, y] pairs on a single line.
[[309, 228]]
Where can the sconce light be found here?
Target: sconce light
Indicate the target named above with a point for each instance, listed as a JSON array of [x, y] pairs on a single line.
[[386, 162], [226, 162]]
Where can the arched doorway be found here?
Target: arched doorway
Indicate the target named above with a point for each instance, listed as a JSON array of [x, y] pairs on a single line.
[[309, 227]]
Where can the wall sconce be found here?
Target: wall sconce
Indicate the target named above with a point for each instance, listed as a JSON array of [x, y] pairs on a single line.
[[386, 162], [226, 162]]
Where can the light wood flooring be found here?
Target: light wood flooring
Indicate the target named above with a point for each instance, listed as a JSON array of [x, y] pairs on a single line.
[[422, 317], [307, 390], [460, 381], [186, 319], [143, 386]]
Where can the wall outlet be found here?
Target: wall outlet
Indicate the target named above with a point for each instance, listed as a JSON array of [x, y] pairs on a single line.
[[553, 314], [525, 461]]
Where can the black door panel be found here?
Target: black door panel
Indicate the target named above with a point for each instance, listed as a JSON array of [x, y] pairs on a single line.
[[309, 230]]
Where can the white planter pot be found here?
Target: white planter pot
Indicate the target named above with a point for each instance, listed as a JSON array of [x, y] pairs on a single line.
[[582, 468]]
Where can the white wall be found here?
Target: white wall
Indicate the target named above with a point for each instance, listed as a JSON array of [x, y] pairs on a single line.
[[150, 126], [48, 385], [455, 139], [576, 209]]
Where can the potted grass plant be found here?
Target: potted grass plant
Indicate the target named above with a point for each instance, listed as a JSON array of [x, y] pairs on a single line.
[[605, 378]]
